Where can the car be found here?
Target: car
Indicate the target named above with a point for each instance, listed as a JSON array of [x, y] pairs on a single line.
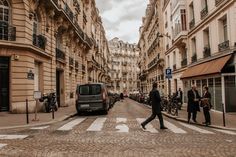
[[112, 99], [92, 97]]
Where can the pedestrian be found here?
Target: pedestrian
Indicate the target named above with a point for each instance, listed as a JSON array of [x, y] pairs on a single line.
[[155, 100], [193, 104], [206, 104], [121, 96], [179, 97]]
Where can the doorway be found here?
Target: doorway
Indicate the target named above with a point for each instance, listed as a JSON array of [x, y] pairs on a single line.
[[4, 84], [59, 86]]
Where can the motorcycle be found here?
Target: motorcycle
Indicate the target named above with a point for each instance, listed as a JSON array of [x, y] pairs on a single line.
[[50, 102]]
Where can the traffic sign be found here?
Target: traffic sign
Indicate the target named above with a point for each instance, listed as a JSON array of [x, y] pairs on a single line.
[[168, 73]]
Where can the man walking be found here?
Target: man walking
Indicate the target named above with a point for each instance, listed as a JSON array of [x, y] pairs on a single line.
[[155, 100], [193, 104]]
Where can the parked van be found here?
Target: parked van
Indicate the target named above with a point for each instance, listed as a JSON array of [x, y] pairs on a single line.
[[92, 97]]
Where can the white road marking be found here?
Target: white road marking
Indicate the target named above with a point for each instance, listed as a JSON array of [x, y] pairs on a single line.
[[226, 131], [12, 137], [2, 145], [97, 124], [121, 120], [149, 126], [122, 128], [71, 124], [40, 128], [196, 128], [174, 128]]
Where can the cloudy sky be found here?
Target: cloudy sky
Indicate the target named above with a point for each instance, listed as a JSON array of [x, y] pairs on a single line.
[[122, 18]]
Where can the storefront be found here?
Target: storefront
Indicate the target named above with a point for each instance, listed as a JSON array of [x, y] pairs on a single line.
[[219, 75]]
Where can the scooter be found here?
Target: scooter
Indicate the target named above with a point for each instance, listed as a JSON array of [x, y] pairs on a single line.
[[50, 102]]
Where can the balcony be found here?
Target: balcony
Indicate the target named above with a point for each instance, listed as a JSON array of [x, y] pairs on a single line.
[[68, 12], [204, 12], [7, 32], [206, 52], [223, 46], [60, 55], [71, 61], [174, 67], [76, 64], [194, 58], [192, 23], [76, 5], [217, 2], [88, 40], [39, 41], [184, 62], [83, 67]]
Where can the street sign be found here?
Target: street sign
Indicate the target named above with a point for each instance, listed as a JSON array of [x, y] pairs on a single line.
[[168, 73], [37, 95]]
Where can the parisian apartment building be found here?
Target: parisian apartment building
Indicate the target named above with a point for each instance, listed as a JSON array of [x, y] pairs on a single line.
[[123, 65], [49, 45], [199, 46]]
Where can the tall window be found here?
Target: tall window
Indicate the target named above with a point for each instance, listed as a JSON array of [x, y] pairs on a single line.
[[183, 19], [4, 19], [191, 11], [225, 27]]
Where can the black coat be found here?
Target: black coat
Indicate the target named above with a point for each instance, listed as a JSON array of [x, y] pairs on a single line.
[[155, 100], [193, 106], [207, 95]]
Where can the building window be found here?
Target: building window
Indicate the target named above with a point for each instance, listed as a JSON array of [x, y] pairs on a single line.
[[224, 22], [183, 19], [4, 19]]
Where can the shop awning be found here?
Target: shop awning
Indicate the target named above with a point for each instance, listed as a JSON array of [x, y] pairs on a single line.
[[212, 67]]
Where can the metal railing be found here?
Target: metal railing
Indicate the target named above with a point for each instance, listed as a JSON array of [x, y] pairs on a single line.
[[224, 46], [76, 64], [60, 54], [206, 52], [194, 58], [71, 61], [192, 23], [217, 2], [184, 62], [68, 12], [204, 12], [39, 41]]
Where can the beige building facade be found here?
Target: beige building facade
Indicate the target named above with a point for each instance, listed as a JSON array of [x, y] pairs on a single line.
[[201, 48], [49, 45], [123, 60], [152, 60]]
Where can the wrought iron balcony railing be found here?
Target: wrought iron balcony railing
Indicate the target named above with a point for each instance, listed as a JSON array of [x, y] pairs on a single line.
[[204, 12], [224, 46], [83, 67], [194, 58], [192, 23], [7, 32], [184, 62], [68, 12], [76, 64], [60, 54], [174, 67], [39, 41], [217, 2], [71, 61], [206, 52]]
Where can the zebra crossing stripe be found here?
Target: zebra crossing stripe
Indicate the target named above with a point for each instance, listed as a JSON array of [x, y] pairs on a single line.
[[40, 128], [71, 124], [97, 125], [174, 128], [121, 120], [2, 145], [12, 137], [226, 131], [149, 126], [196, 128]]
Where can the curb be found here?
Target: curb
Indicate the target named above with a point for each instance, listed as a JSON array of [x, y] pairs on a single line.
[[63, 118], [185, 121]]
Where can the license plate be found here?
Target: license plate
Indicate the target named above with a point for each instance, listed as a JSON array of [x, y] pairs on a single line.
[[85, 106]]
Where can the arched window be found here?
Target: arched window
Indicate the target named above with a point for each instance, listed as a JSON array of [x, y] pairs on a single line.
[[4, 19]]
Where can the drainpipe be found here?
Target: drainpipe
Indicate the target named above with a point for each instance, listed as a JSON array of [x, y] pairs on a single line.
[[223, 91]]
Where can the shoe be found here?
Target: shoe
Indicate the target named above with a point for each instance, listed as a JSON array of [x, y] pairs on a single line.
[[163, 127], [143, 126], [204, 122], [195, 121]]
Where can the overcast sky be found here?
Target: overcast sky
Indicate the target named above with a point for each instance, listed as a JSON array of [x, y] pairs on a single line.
[[122, 18]]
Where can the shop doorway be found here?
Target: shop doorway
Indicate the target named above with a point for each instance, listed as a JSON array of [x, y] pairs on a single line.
[[4, 84], [59, 86]]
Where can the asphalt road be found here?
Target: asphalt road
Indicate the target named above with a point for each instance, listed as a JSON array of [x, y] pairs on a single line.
[[117, 134]]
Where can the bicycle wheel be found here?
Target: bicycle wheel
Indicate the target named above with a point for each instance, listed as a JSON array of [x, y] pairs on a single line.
[[173, 109]]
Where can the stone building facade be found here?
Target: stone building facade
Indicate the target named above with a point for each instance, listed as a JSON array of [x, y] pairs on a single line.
[[48, 45], [152, 61], [123, 60]]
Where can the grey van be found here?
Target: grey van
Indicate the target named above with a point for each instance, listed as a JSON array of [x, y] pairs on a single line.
[[92, 97]]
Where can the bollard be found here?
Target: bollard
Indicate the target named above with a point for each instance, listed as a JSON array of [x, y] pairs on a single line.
[[53, 113], [223, 109], [27, 112]]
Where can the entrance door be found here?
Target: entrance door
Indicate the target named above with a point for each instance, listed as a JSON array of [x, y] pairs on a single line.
[[4, 84], [58, 87]]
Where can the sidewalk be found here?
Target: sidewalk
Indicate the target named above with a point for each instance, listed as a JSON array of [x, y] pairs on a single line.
[[216, 118], [8, 120]]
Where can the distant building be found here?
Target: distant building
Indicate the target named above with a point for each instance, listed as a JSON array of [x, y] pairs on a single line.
[[124, 69]]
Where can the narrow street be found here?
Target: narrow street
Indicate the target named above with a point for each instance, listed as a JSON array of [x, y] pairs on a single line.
[[117, 134]]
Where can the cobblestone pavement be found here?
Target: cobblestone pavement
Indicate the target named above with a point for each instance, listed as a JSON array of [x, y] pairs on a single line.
[[117, 134]]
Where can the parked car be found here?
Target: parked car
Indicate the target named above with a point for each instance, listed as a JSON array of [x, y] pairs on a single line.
[[146, 99], [92, 97], [112, 99]]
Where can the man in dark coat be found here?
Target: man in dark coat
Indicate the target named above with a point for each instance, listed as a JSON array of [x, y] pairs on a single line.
[[193, 104], [155, 100]]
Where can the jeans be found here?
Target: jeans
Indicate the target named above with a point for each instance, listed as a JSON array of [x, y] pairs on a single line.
[[194, 115], [206, 112]]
